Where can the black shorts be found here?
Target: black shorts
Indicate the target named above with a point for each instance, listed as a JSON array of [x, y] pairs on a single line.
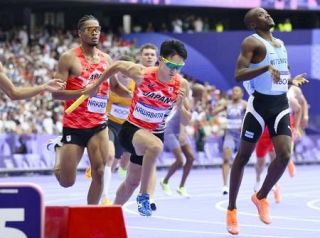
[[80, 137], [126, 135], [114, 129], [266, 110]]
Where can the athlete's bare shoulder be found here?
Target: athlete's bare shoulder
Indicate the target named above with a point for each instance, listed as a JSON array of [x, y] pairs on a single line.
[[251, 42], [68, 56]]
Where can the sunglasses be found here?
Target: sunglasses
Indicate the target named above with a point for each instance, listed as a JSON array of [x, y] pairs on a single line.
[[171, 65], [91, 29]]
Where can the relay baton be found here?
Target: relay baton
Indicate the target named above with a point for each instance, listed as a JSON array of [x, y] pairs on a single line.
[[76, 104]]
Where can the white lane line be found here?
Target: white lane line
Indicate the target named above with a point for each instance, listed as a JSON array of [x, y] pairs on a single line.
[[312, 204], [222, 207], [200, 232], [126, 209]]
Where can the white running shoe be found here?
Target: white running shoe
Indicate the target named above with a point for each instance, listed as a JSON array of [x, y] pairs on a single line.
[[52, 143]]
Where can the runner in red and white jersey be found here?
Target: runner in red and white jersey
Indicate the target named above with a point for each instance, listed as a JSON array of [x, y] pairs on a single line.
[[158, 90], [153, 101], [86, 126], [92, 108]]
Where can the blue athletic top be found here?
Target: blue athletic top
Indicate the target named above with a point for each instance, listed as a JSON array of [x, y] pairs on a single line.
[[235, 113], [278, 58]]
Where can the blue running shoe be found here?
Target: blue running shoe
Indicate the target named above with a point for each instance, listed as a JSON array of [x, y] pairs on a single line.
[[144, 204]]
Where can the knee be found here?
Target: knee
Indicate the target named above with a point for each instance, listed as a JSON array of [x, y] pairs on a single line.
[[66, 183], [132, 184], [179, 163], [190, 158], [155, 148], [284, 156], [225, 161], [110, 160], [242, 158], [97, 172]]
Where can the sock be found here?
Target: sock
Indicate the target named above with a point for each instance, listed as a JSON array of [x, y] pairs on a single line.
[[107, 180]]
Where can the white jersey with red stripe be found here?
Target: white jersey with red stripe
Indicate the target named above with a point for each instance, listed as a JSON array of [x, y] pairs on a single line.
[[153, 101]]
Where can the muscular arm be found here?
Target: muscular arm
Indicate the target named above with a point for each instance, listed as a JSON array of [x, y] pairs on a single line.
[[296, 109], [185, 110], [305, 112], [304, 108], [248, 51], [18, 93], [130, 69], [64, 69], [115, 85]]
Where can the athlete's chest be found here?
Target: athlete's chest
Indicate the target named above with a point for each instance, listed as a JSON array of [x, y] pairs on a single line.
[[157, 92], [86, 72]]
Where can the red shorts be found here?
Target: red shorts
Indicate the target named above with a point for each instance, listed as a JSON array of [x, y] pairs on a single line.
[[264, 144]]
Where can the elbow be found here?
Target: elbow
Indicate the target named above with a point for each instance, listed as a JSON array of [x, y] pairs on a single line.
[[13, 95]]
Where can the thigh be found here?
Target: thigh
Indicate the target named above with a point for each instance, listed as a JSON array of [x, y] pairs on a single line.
[[143, 139], [280, 124], [228, 142], [98, 146], [177, 152], [111, 149], [70, 156], [126, 136], [252, 127], [171, 142], [254, 122]]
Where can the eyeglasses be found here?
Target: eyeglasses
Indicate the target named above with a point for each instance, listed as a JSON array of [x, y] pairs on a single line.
[[91, 29], [171, 65]]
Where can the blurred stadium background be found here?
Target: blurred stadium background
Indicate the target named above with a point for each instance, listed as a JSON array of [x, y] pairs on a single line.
[[34, 33]]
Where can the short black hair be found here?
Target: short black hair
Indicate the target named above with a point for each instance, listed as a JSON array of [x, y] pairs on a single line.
[[85, 18], [173, 47]]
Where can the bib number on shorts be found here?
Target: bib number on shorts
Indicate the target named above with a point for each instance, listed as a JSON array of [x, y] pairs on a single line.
[[119, 111], [148, 114], [97, 104]]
